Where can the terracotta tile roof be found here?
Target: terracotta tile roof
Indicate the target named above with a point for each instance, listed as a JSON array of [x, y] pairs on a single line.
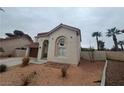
[[33, 45]]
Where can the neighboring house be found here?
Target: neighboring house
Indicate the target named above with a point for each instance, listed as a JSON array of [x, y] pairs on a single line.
[[61, 45], [11, 45]]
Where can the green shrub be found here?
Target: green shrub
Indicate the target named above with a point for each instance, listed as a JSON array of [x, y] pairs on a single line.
[[3, 68], [25, 61]]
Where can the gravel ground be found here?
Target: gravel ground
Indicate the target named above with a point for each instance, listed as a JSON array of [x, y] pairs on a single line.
[[115, 73], [46, 74]]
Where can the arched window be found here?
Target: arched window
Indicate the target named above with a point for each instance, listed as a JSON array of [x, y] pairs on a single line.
[[61, 46]]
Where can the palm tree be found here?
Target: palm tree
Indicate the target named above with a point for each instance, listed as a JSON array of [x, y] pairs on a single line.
[[112, 33], [101, 45], [121, 43], [97, 35]]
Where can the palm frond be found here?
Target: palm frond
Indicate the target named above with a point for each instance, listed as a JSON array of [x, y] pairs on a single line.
[[120, 42], [96, 34], [109, 33], [118, 31], [113, 31]]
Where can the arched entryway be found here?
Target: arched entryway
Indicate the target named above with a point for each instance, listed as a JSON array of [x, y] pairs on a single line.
[[45, 49]]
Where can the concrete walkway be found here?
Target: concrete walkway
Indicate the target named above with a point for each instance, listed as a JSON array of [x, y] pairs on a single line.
[[13, 61]]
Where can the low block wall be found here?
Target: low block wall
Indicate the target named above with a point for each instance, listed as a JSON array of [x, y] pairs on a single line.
[[101, 55], [116, 55]]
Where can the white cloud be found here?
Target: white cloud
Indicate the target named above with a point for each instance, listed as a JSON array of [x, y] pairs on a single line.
[[89, 20]]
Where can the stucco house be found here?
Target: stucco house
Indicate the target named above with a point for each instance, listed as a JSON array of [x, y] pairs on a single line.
[[14, 46], [61, 45]]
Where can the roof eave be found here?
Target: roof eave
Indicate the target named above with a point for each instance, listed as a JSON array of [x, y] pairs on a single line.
[[57, 27]]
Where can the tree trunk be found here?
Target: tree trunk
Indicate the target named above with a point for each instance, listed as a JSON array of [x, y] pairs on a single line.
[[97, 43], [122, 47], [115, 42]]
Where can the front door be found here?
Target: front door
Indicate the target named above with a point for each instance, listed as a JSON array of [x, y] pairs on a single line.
[[45, 49], [33, 52]]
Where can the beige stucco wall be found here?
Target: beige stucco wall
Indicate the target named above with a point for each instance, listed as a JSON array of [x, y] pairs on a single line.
[[9, 46], [72, 48], [101, 55]]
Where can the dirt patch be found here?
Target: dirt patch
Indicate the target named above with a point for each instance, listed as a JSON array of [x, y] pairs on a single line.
[[56, 65], [115, 73], [49, 74]]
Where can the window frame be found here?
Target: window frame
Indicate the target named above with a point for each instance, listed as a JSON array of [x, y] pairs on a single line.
[[61, 50]]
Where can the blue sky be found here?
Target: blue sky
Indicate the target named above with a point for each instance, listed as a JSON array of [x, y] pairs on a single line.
[[43, 19]]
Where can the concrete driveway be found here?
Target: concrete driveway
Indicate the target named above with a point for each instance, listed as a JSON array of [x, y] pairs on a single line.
[[11, 61], [18, 60]]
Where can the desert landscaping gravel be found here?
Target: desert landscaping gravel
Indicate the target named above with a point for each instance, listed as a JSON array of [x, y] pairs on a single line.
[[115, 73], [46, 74]]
